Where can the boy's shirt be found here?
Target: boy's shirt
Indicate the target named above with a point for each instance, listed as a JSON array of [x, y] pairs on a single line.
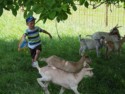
[[33, 37]]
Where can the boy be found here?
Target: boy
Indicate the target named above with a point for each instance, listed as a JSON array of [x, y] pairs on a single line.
[[34, 41]]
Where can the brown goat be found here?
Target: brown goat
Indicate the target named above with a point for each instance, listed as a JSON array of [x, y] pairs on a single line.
[[114, 46]]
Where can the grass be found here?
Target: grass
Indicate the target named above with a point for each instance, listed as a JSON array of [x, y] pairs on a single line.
[[17, 75]]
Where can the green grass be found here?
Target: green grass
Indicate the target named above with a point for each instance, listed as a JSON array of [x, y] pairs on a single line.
[[17, 75]]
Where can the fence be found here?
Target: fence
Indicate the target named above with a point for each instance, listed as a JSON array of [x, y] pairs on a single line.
[[88, 20]]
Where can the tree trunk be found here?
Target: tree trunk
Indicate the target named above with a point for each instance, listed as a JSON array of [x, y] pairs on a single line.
[[106, 15]]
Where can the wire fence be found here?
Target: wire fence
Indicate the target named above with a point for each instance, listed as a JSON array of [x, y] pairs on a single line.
[[88, 20]]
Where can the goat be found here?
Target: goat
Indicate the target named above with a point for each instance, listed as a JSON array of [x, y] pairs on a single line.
[[113, 35], [109, 45], [114, 46], [115, 31], [68, 66], [89, 44], [65, 79]]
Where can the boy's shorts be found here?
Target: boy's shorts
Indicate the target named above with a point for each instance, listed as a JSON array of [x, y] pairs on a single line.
[[33, 51]]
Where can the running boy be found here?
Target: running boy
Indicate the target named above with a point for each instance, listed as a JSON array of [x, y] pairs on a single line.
[[34, 40]]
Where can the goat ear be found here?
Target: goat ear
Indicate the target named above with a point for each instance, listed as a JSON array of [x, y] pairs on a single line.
[[84, 64], [85, 55], [89, 69]]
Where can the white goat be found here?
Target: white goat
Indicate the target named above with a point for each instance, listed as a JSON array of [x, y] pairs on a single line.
[[62, 78], [97, 35], [89, 44], [113, 35], [68, 66]]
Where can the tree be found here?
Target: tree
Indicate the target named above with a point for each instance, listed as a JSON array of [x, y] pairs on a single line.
[[51, 9]]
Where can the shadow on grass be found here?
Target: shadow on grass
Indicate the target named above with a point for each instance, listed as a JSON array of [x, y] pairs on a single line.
[[18, 77]]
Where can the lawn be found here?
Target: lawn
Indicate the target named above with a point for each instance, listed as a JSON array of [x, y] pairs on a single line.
[[17, 75]]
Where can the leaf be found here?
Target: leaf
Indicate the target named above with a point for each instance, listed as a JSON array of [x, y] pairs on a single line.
[[86, 4], [81, 2], [37, 9], [30, 13], [58, 9], [64, 16], [1, 1], [74, 7], [58, 19], [50, 3], [1, 10], [29, 7], [65, 7], [25, 14], [44, 20], [52, 15], [14, 12], [16, 5], [124, 5], [5, 2]]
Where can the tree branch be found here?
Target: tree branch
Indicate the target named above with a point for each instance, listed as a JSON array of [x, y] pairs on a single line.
[[57, 30], [95, 6]]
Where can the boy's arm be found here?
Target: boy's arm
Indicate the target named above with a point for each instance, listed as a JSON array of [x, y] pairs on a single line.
[[22, 38], [44, 31]]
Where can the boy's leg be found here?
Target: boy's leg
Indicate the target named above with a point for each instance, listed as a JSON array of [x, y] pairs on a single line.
[[32, 53], [36, 55], [37, 52]]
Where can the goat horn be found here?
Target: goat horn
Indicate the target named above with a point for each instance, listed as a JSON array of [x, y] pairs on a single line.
[[118, 26]]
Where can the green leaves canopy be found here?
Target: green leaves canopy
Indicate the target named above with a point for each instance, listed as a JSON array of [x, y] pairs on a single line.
[[49, 9]]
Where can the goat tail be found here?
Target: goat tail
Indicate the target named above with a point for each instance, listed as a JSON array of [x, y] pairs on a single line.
[[79, 37], [42, 59], [89, 35]]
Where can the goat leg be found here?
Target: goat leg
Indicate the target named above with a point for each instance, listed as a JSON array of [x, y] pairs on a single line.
[[62, 90], [75, 89], [43, 85], [97, 51]]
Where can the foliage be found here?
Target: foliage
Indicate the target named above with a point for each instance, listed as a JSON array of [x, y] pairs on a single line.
[[50, 9]]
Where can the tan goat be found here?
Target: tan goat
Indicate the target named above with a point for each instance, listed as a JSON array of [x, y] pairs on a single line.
[[68, 66], [65, 79]]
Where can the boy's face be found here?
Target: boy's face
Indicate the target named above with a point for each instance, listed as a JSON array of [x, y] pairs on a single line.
[[31, 24]]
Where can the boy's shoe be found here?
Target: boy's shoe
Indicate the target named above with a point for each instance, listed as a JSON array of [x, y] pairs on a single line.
[[34, 64]]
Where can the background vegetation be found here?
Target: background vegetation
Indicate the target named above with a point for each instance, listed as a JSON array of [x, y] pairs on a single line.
[[17, 75], [53, 9]]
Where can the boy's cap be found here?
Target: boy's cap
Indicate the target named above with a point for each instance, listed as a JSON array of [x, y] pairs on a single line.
[[29, 19]]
